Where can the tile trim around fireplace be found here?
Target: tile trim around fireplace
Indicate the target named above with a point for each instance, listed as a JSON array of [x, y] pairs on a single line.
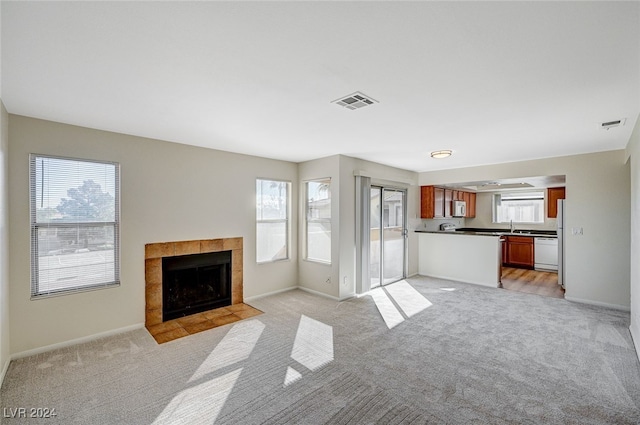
[[155, 252]]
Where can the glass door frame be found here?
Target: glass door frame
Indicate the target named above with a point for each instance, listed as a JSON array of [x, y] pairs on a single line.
[[381, 279]]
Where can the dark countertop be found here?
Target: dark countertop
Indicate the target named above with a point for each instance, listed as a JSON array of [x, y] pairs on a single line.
[[495, 232]]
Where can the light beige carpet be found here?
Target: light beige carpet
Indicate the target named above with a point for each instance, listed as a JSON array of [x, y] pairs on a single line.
[[442, 352]]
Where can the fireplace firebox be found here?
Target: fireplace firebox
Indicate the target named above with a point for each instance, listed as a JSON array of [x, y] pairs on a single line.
[[195, 283]]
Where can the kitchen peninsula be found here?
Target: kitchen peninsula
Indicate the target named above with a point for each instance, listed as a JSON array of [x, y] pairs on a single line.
[[471, 257]]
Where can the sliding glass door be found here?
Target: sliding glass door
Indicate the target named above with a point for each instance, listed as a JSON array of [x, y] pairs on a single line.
[[387, 235]]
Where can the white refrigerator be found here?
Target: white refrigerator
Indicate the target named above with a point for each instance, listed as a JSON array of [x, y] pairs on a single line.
[[561, 243]]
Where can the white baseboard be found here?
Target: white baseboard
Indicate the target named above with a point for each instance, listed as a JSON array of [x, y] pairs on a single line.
[[635, 337], [5, 367], [597, 303], [322, 294], [452, 279], [71, 342], [302, 288], [347, 297], [268, 294]]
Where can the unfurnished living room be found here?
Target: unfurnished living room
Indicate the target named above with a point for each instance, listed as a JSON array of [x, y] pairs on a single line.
[[309, 212]]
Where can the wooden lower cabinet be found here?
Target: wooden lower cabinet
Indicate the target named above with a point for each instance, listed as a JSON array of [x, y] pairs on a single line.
[[503, 248], [519, 252]]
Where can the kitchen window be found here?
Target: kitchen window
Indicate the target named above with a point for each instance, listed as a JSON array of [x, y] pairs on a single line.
[[518, 207], [75, 221], [318, 220], [272, 220]]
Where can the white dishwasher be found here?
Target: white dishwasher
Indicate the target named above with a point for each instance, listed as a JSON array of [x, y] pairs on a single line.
[[546, 253]]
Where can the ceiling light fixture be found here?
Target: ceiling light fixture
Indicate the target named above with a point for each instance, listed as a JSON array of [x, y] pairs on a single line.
[[441, 154]]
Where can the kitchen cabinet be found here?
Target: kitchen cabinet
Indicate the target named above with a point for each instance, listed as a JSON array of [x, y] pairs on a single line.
[[553, 194], [448, 197], [503, 250], [519, 251], [431, 202], [471, 204], [426, 201], [438, 203], [435, 202]]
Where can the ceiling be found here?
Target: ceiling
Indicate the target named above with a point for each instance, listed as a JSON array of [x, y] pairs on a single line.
[[493, 81], [501, 185]]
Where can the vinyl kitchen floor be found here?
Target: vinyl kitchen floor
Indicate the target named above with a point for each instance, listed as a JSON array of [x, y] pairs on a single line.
[[532, 282]]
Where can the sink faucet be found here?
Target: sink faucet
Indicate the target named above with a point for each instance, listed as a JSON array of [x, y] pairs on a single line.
[[513, 229]]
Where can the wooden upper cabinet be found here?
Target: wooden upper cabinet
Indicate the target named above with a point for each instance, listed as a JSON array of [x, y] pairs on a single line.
[[438, 202], [471, 205], [553, 194], [431, 202], [435, 202], [448, 197], [426, 201]]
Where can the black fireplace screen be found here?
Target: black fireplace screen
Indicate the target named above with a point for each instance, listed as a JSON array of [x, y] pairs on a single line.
[[195, 283]]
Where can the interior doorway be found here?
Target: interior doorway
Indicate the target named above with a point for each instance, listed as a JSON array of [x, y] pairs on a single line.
[[387, 235]]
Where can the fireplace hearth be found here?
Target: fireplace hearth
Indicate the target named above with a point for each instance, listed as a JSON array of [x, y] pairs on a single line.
[[178, 259], [229, 268], [195, 283]]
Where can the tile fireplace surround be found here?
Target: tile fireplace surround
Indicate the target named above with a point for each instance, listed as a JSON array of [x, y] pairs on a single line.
[[172, 329]]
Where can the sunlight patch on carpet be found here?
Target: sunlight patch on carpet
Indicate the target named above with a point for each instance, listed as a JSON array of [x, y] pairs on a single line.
[[236, 346], [410, 301], [406, 298], [387, 309], [313, 345], [291, 376], [200, 404]]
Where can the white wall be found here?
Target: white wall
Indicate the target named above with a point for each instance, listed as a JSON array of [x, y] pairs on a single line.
[[169, 192], [4, 241], [315, 276], [598, 200], [342, 169], [633, 151]]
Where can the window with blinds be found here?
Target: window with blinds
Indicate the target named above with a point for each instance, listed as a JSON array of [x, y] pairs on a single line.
[[74, 225], [518, 207]]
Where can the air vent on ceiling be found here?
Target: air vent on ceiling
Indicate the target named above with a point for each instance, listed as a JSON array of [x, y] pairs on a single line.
[[610, 124], [355, 100]]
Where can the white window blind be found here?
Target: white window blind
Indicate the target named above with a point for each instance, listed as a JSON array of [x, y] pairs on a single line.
[[74, 225], [272, 220], [519, 207], [318, 220]]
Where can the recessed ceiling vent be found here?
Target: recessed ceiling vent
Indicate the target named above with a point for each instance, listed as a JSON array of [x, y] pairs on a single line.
[[355, 100], [610, 124]]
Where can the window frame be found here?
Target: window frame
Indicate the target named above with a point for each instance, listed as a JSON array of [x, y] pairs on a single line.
[[308, 219], [542, 199], [286, 220], [35, 226]]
